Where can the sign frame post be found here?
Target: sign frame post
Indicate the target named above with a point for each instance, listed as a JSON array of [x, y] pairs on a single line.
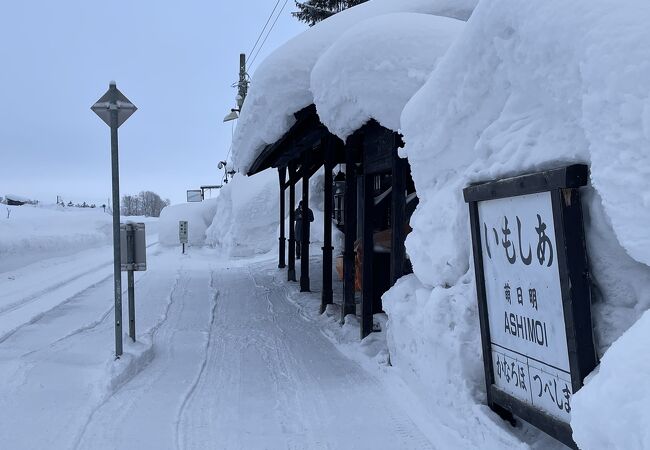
[[114, 109], [133, 257], [563, 185]]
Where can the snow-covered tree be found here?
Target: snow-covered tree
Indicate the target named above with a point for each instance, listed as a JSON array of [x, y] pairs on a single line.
[[313, 11]]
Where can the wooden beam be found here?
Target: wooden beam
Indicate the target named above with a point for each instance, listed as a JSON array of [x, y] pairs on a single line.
[[398, 219], [350, 226], [326, 293], [304, 241], [368, 256], [291, 272], [282, 173]]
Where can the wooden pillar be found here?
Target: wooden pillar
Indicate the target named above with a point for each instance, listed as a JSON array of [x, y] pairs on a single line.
[[282, 173], [326, 293], [350, 227], [291, 272], [398, 219], [368, 256], [304, 242]]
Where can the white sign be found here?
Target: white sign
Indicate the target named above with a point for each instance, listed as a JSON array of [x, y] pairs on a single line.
[[194, 195], [524, 301], [182, 231]]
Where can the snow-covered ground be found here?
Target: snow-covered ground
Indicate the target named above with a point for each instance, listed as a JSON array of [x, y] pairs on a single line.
[[519, 87], [228, 356]]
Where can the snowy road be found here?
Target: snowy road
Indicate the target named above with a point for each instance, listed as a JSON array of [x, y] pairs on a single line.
[[224, 360]]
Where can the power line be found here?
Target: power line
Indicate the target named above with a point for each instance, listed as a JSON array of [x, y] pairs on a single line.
[[264, 27], [268, 33]]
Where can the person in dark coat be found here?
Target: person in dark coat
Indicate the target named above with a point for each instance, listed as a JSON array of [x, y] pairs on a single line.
[[299, 226]]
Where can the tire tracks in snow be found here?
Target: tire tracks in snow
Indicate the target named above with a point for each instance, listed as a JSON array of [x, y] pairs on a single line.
[[53, 296], [113, 388], [190, 393], [175, 362]]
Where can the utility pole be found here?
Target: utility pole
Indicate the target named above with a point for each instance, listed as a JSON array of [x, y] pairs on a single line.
[[242, 86], [242, 90]]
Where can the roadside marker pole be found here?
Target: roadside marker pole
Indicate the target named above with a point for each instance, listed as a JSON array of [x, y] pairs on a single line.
[[114, 108], [117, 271]]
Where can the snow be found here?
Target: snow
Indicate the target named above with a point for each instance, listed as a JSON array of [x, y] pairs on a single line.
[[520, 88], [17, 198], [228, 353], [32, 233], [612, 410], [245, 221], [281, 84], [198, 215], [374, 68], [524, 88]]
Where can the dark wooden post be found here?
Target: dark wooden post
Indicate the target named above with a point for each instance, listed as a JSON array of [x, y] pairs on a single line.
[[350, 226], [398, 219], [304, 242], [291, 272], [282, 172], [368, 247], [326, 294]]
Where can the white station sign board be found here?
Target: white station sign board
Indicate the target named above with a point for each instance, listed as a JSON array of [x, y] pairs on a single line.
[[533, 291], [524, 302]]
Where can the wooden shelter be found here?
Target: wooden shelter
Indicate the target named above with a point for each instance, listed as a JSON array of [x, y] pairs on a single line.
[[377, 189]]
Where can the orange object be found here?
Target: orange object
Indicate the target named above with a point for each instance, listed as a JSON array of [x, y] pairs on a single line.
[[339, 266]]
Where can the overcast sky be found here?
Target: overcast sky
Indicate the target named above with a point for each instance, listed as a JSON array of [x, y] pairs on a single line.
[[176, 60]]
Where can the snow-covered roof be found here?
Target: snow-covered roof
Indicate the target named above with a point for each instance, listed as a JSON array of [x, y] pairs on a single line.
[[17, 198], [373, 69], [281, 85]]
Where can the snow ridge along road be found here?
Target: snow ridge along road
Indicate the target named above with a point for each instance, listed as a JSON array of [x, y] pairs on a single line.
[[29, 292]]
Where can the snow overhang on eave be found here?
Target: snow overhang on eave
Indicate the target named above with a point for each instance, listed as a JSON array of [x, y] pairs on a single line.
[[305, 134]]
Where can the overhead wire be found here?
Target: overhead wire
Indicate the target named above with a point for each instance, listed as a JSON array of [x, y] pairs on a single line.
[[258, 51], [264, 28], [268, 33]]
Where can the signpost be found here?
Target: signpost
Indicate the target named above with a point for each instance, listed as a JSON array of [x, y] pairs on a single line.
[[182, 233], [133, 258], [114, 108], [534, 297]]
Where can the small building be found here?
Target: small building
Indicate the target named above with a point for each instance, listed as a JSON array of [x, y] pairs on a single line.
[[378, 197], [16, 200]]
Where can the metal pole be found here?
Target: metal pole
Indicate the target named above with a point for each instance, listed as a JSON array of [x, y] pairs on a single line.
[[117, 273], [130, 245], [131, 305]]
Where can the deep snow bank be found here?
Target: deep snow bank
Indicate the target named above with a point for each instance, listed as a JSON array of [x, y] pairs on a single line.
[[246, 220], [30, 233], [529, 86], [374, 68], [198, 215], [617, 400], [281, 85]]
